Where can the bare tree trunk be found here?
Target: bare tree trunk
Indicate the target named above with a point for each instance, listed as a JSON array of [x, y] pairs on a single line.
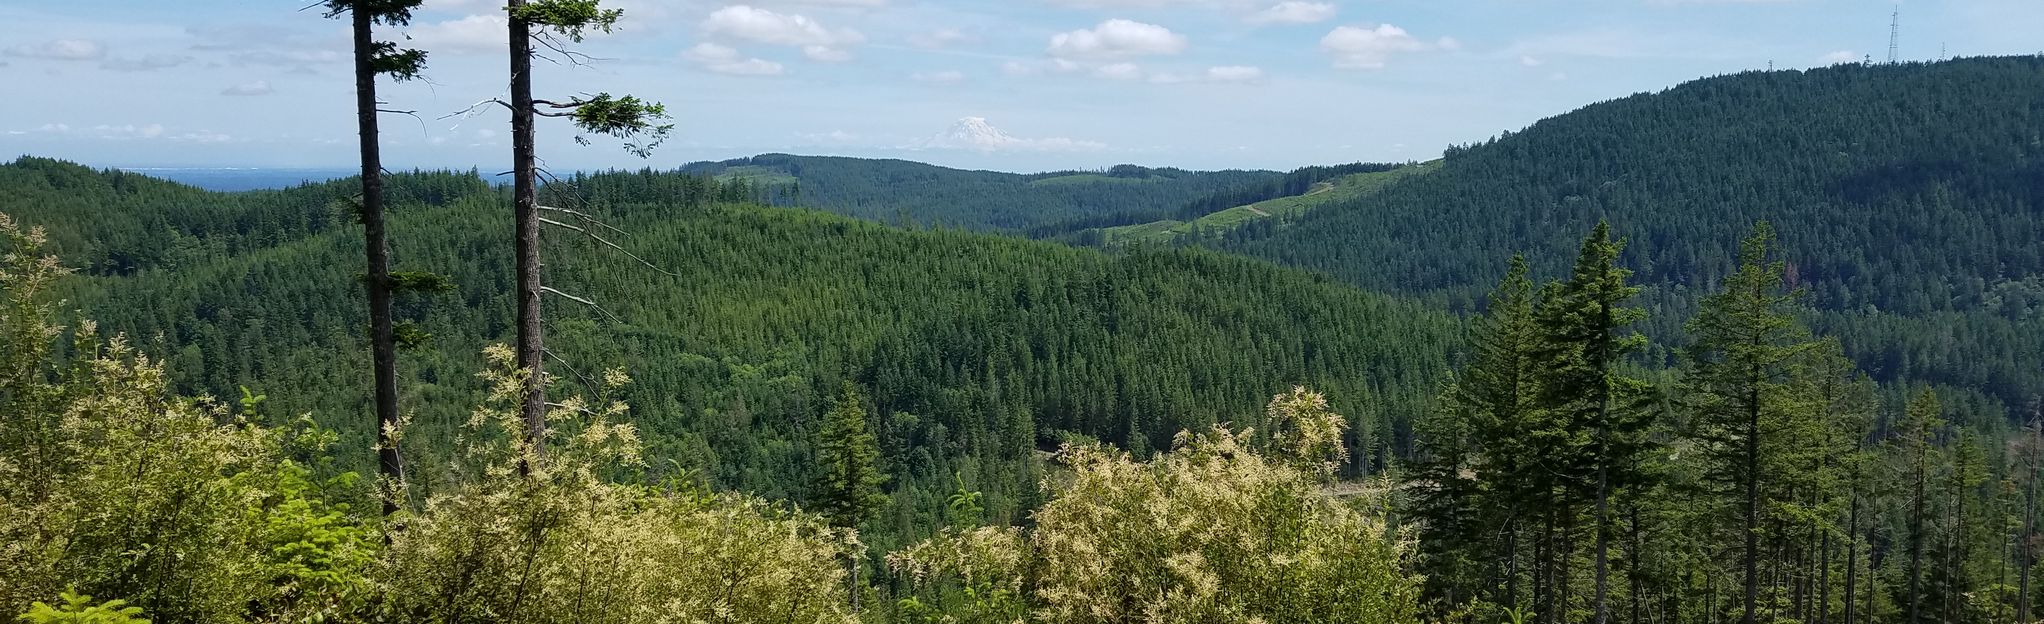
[[382, 337], [531, 348]]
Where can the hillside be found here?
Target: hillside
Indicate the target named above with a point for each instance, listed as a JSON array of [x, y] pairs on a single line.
[[977, 349], [1217, 224], [1910, 199], [899, 191]]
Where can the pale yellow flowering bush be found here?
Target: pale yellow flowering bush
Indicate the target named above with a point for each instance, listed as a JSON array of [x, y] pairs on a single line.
[[1214, 531], [542, 538], [1305, 431]]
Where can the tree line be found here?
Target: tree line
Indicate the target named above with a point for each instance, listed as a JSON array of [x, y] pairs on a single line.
[[1763, 478]]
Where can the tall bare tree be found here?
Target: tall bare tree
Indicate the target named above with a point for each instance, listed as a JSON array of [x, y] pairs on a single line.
[[375, 58], [552, 26]]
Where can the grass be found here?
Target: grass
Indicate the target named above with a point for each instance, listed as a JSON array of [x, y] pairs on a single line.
[[1343, 188]]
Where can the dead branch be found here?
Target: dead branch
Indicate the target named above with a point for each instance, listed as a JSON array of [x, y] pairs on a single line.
[[607, 243], [592, 304]]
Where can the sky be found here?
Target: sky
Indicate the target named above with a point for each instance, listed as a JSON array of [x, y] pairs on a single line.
[[1014, 85]]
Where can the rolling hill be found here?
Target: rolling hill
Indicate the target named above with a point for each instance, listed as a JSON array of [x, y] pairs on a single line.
[[1910, 199], [899, 191], [975, 349]]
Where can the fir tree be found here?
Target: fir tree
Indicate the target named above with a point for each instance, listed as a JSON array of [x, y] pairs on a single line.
[[1585, 339], [847, 488], [1741, 371]]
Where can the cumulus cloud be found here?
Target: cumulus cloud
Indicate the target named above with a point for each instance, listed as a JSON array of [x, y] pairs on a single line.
[[480, 33], [1294, 12], [826, 54], [1234, 73], [976, 134], [1220, 74], [818, 42], [60, 50], [727, 60], [1356, 47], [1117, 39], [259, 87], [1119, 71]]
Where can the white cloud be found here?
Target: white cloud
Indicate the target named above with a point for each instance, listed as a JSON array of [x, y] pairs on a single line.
[[1115, 39], [1838, 57], [974, 133], [472, 34], [726, 60], [1529, 61], [1128, 4], [1220, 74], [834, 136], [1293, 12], [939, 77], [60, 50], [938, 39], [258, 87], [203, 136], [826, 54], [1355, 47], [1234, 73], [1119, 71], [764, 26]]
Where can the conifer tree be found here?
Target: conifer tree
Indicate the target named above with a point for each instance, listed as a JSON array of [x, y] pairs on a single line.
[[1746, 346], [373, 59], [1921, 423], [1585, 340], [848, 480], [1470, 462]]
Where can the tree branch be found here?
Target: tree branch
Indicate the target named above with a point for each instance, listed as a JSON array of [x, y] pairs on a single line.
[[592, 304], [592, 235]]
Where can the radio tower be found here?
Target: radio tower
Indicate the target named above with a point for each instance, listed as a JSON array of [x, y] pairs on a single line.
[[1895, 36]]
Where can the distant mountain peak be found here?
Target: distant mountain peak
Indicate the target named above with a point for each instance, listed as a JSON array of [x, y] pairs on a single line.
[[978, 134]]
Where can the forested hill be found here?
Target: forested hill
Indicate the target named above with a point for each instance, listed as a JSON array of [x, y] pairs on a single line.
[[1909, 198], [975, 350], [900, 191]]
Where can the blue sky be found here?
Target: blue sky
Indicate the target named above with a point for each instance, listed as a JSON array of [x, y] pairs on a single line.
[[1059, 83]]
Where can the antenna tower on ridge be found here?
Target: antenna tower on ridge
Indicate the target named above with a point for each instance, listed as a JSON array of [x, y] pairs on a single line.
[[1895, 36]]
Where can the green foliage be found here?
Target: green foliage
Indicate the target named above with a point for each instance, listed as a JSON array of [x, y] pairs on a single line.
[[974, 351], [79, 609], [568, 18], [385, 57], [628, 118], [1905, 196], [847, 485], [912, 194]]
